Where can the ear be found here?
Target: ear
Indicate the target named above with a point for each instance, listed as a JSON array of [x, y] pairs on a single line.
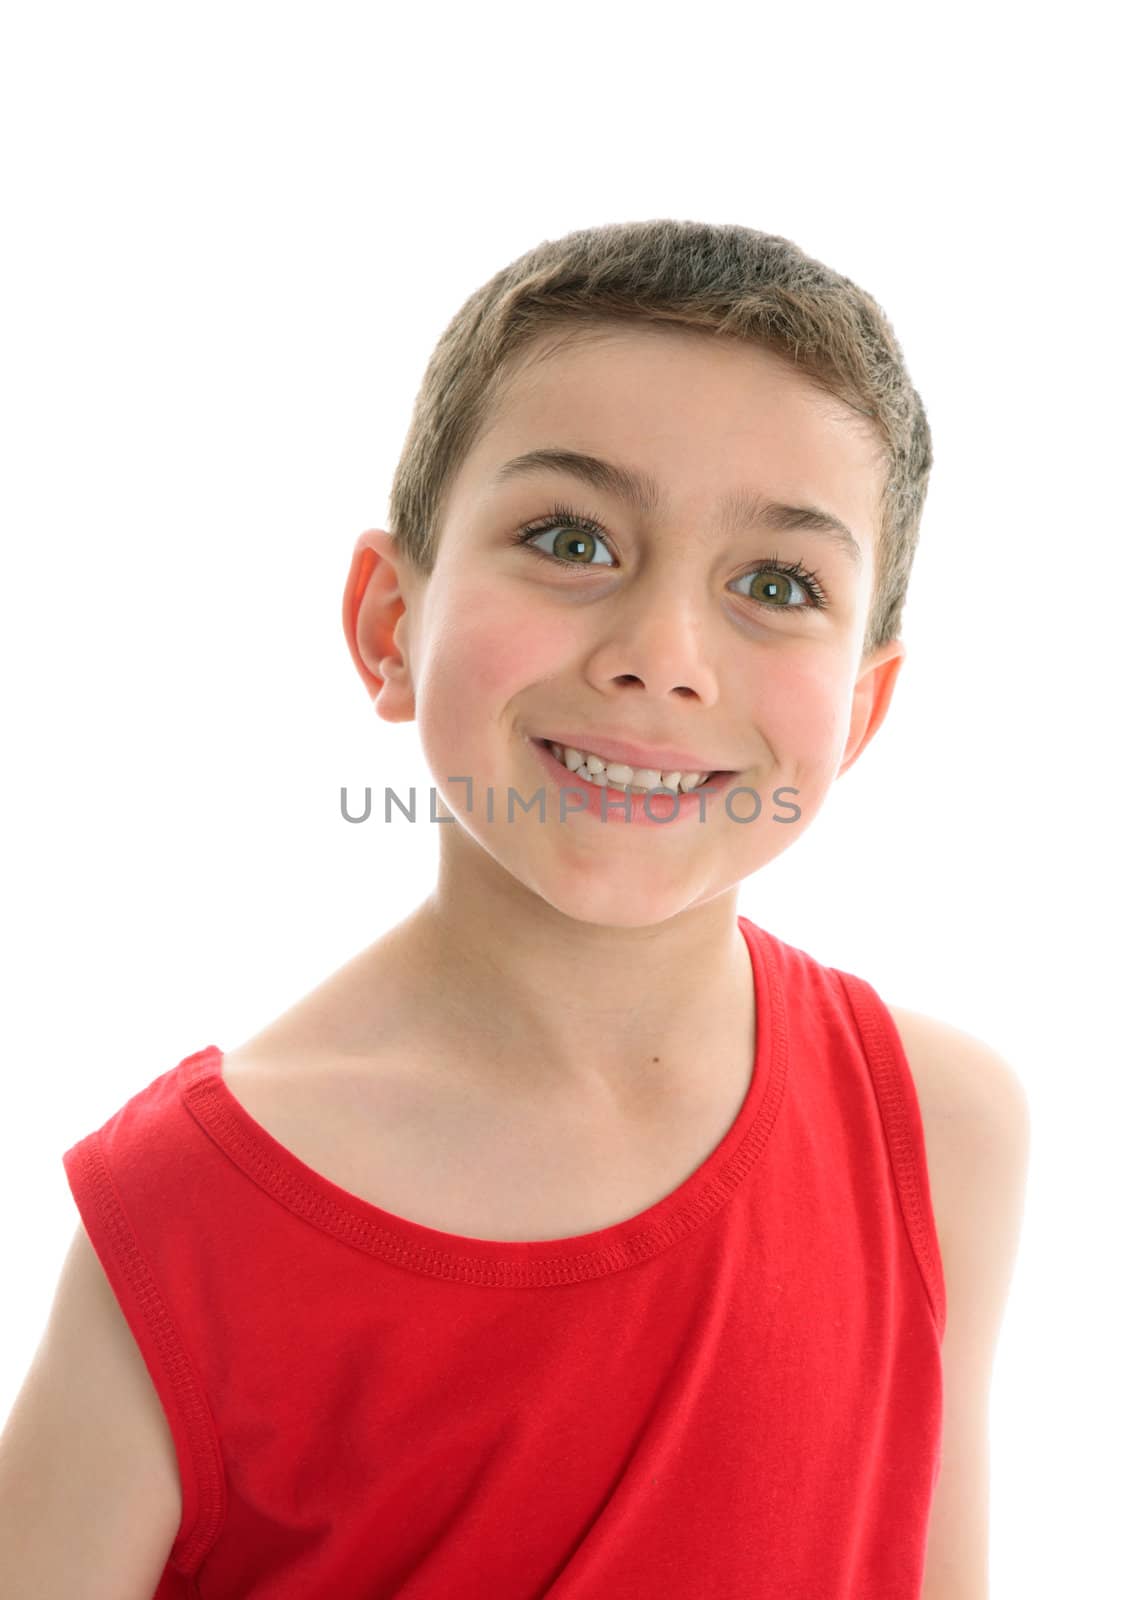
[[872, 694], [373, 606]]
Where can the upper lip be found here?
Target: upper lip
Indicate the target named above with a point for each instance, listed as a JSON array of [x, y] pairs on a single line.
[[655, 758]]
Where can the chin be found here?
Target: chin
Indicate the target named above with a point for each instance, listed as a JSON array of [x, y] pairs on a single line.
[[607, 903]]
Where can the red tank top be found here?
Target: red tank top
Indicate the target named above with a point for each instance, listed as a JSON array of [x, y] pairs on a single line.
[[736, 1393]]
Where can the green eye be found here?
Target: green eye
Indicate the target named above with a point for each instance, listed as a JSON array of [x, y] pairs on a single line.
[[573, 543], [576, 537], [777, 585]]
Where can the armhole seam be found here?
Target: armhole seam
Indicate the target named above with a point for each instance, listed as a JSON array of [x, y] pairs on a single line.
[[898, 1105], [89, 1175]]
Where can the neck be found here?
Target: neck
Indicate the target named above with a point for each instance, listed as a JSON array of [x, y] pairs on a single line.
[[507, 981]]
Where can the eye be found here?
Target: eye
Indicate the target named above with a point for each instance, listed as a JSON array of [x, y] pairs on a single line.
[[574, 542], [773, 586], [577, 536]]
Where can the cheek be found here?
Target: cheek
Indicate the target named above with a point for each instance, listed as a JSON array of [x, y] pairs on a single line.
[[803, 706], [484, 652], [492, 653]]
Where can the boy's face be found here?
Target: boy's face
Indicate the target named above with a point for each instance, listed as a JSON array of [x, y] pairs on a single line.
[[665, 629]]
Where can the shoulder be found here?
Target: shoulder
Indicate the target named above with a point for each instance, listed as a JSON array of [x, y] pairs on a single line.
[[976, 1120], [955, 1068], [976, 1124]]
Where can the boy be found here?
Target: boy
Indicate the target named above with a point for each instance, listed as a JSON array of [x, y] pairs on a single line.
[[578, 1237]]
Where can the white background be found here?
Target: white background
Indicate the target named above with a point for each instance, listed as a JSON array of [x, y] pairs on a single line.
[[233, 235]]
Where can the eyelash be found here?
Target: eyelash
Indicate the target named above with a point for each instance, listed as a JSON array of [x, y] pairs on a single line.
[[563, 516]]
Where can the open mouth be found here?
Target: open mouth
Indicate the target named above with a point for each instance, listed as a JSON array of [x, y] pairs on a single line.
[[721, 772]]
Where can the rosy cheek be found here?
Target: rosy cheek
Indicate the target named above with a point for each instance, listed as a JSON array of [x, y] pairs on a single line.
[[513, 649], [523, 653], [481, 656], [801, 715]]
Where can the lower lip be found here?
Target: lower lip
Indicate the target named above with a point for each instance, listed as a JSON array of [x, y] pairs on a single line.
[[665, 815]]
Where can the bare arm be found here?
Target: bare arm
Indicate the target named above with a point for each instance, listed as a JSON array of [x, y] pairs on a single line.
[[977, 1142], [90, 1493]]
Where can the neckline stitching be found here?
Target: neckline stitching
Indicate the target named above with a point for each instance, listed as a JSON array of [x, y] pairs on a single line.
[[519, 1263]]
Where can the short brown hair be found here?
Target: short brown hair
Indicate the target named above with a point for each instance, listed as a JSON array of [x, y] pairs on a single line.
[[718, 277]]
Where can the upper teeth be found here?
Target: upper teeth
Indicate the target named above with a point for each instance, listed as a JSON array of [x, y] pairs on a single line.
[[622, 777]]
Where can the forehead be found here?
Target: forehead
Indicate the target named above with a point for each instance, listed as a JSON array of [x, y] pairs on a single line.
[[701, 414]]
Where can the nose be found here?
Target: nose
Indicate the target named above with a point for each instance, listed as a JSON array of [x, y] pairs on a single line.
[[654, 640]]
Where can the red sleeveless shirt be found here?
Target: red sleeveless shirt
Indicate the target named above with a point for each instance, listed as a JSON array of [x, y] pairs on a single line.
[[736, 1393]]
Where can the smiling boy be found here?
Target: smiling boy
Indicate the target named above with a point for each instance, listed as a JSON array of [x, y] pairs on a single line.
[[666, 1213]]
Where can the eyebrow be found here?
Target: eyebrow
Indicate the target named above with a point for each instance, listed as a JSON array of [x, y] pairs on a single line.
[[741, 510]]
